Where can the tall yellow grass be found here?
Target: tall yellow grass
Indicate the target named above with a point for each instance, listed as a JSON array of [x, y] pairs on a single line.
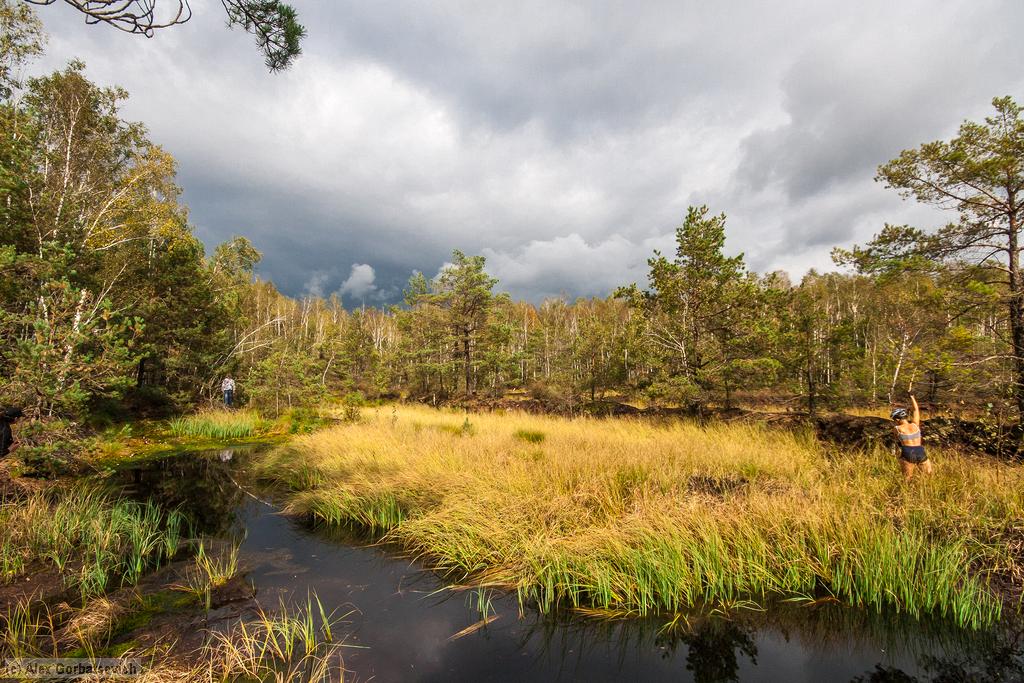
[[642, 517]]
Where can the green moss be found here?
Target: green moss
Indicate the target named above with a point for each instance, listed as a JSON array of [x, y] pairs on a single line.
[[120, 648], [149, 607], [167, 600]]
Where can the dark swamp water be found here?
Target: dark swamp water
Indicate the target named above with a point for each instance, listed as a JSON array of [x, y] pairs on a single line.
[[401, 620]]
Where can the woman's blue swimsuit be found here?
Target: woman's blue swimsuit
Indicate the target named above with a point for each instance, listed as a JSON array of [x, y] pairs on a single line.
[[912, 454]]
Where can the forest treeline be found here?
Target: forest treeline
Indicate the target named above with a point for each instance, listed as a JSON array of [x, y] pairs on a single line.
[[109, 302]]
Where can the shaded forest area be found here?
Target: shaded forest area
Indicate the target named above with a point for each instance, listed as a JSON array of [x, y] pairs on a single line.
[[110, 306]]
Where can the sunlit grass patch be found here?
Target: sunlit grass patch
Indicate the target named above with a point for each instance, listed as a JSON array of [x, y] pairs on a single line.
[[637, 517], [220, 425]]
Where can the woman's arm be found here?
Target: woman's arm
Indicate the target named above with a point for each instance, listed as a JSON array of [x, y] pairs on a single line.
[[917, 411]]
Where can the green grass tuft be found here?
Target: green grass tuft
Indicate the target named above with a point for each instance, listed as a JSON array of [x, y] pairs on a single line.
[[219, 425], [529, 435]]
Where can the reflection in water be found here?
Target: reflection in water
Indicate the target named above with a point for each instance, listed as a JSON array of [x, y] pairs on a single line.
[[713, 649], [820, 643], [406, 618], [198, 484], [999, 658]]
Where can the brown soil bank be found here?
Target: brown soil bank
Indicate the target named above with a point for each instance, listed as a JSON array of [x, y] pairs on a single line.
[[850, 431]]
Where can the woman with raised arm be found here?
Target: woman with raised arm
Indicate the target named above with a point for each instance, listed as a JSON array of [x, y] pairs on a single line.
[[912, 455]]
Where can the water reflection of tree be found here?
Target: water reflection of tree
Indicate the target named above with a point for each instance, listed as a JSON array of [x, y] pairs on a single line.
[[831, 625], [716, 645], [567, 639], [713, 649], [999, 659], [201, 485]]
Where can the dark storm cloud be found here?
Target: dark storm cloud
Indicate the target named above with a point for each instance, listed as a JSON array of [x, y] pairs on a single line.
[[299, 253], [853, 106], [562, 140], [575, 67]]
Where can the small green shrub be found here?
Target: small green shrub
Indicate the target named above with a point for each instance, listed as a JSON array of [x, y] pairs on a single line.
[[465, 429], [350, 406], [354, 398], [305, 420], [50, 447], [45, 462]]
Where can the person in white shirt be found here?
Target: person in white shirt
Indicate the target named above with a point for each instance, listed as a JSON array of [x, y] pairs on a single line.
[[228, 387]]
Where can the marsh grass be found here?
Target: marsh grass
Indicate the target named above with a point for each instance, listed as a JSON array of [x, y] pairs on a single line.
[[287, 644], [26, 631], [99, 544], [209, 571], [635, 517], [95, 542], [33, 628], [220, 425]]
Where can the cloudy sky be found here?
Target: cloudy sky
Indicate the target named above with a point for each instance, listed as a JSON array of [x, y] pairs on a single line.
[[561, 140]]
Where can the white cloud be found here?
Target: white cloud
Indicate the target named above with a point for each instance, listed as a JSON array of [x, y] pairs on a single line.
[[360, 283], [315, 284]]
